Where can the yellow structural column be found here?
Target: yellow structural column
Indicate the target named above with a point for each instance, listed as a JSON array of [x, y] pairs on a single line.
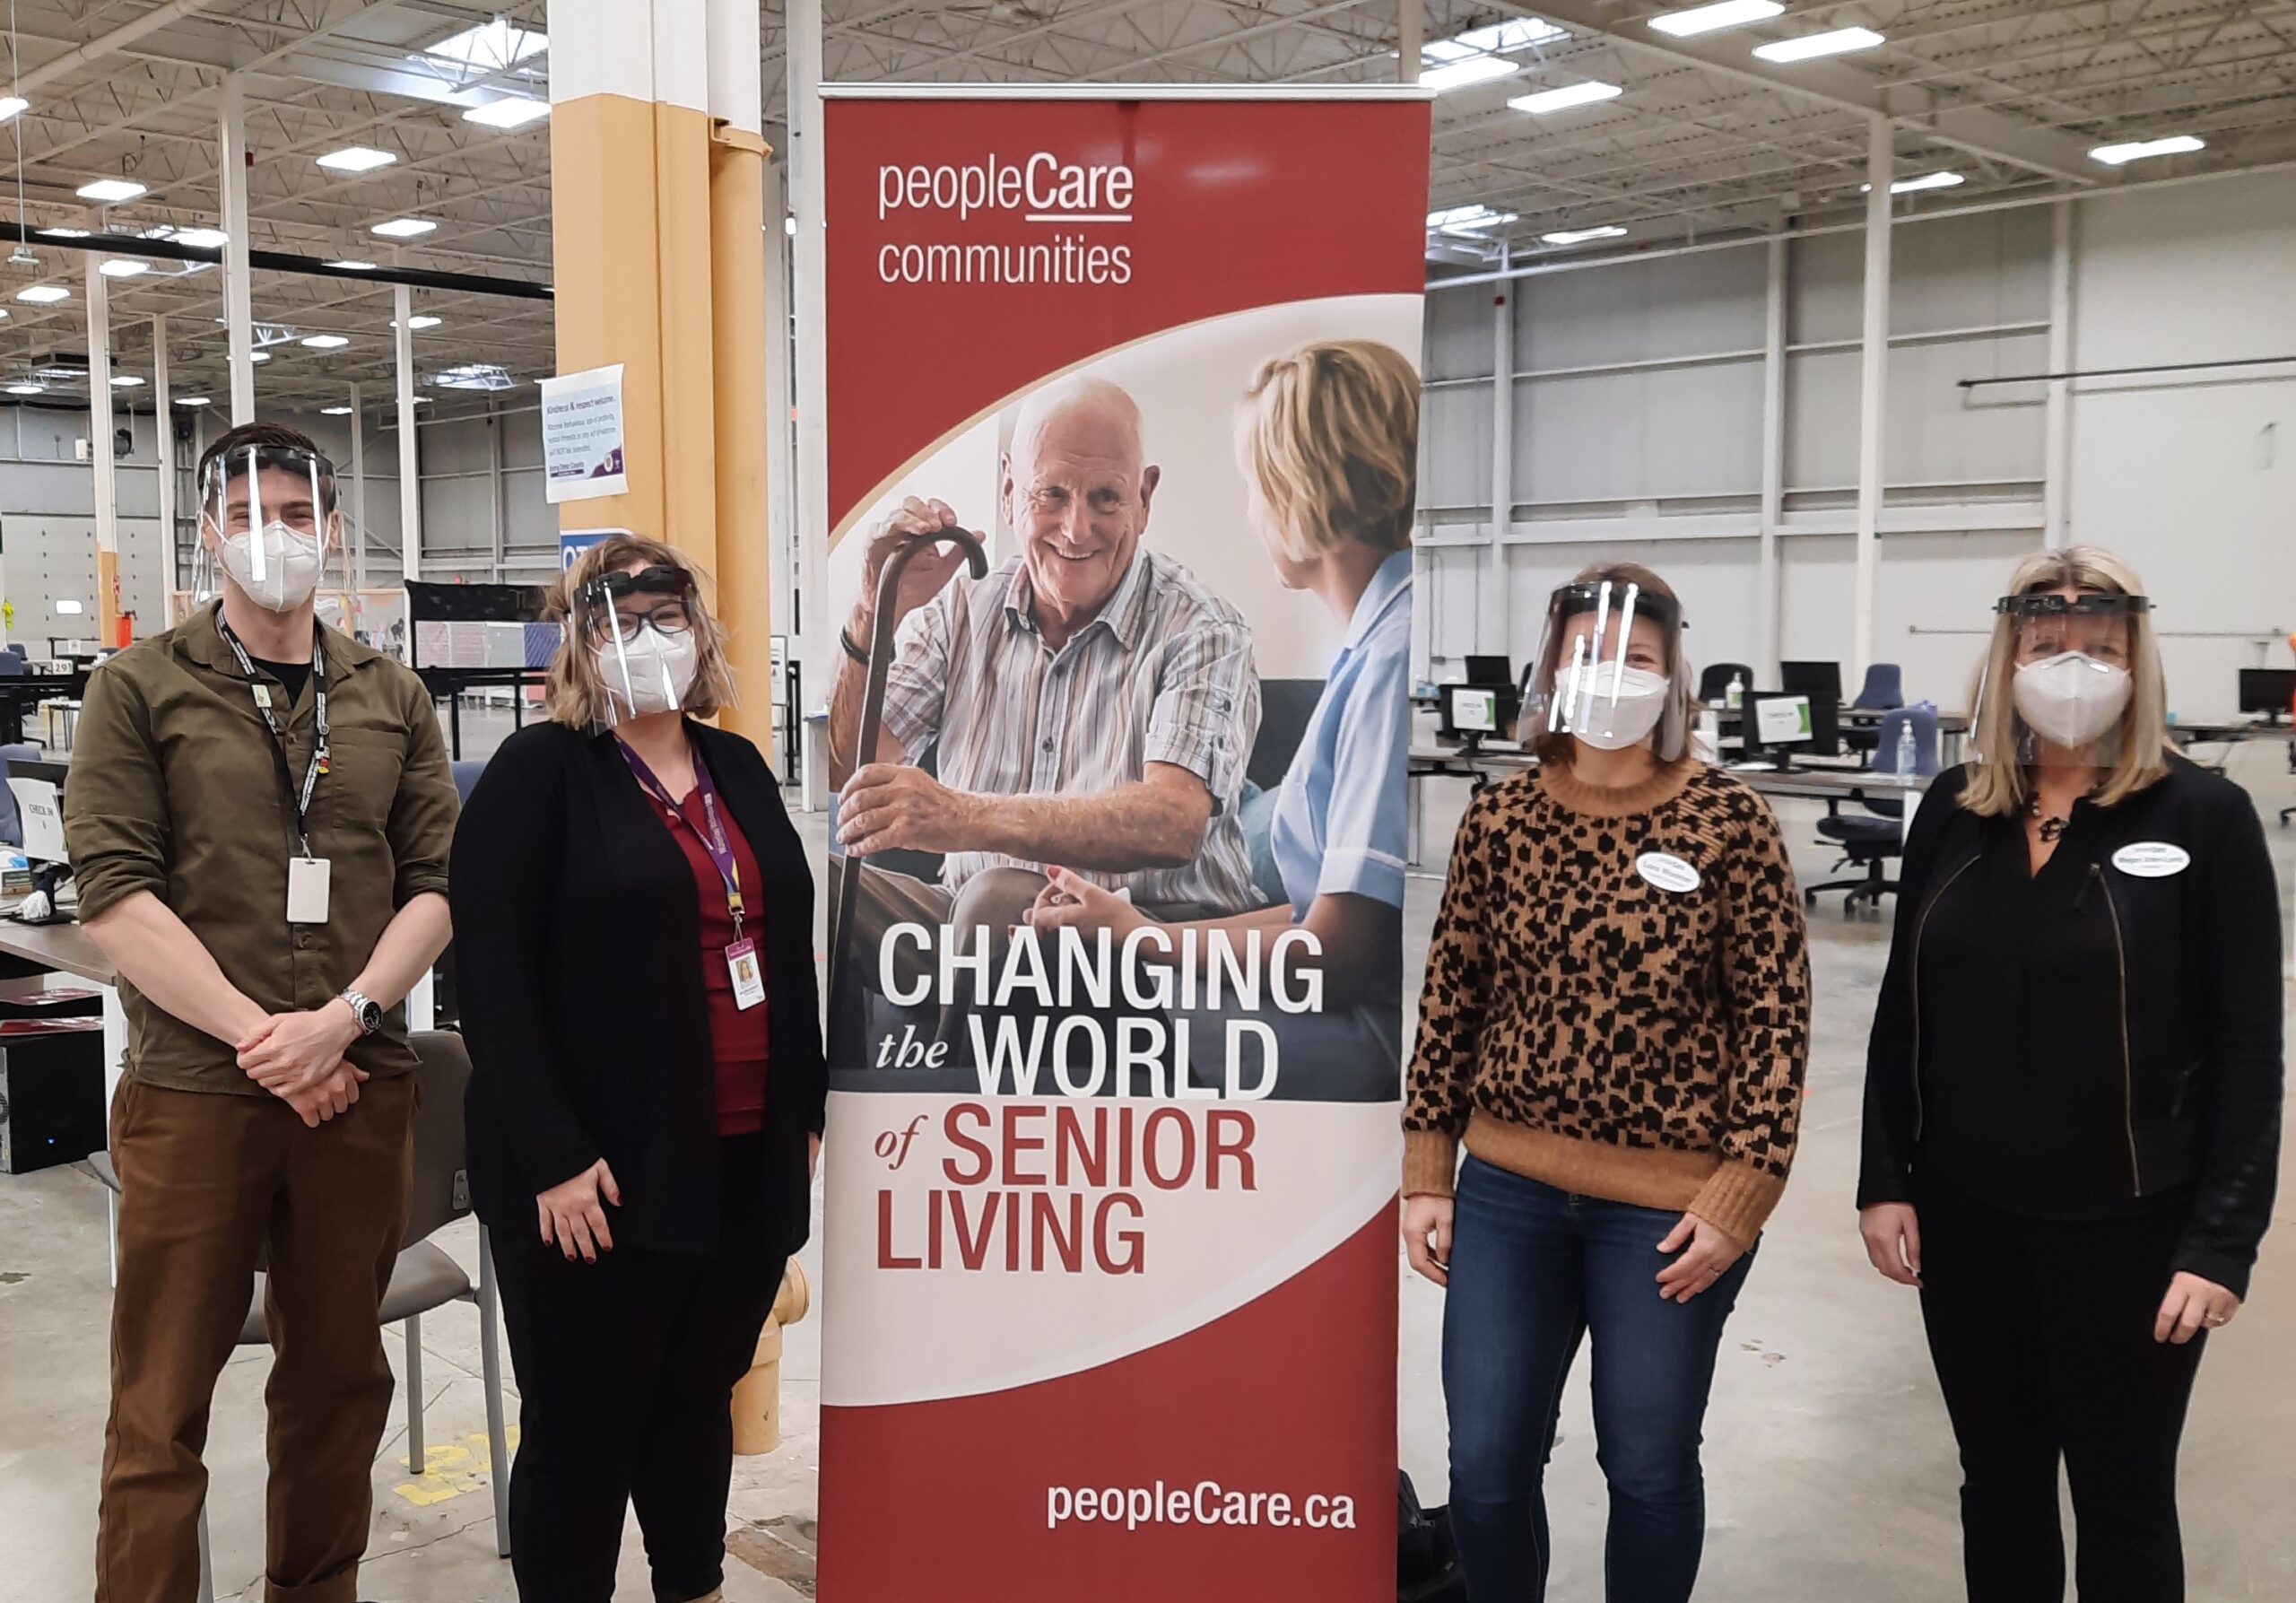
[[737, 251], [630, 162]]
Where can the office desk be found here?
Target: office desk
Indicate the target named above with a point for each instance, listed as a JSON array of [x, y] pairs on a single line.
[[19, 696], [448, 684], [1487, 767]]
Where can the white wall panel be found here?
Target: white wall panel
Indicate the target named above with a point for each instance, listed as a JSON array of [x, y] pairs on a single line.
[[1640, 435], [2192, 476]]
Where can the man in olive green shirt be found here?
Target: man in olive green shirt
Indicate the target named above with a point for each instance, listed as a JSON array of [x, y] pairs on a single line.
[[259, 812]]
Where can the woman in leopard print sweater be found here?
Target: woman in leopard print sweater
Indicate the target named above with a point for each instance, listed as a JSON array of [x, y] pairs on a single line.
[[1614, 1025]]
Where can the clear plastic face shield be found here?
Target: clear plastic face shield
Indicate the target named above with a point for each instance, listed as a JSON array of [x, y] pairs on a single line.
[[643, 632], [267, 524], [1610, 670], [2072, 660]]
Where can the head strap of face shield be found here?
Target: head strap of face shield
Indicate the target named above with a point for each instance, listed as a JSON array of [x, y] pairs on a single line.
[[1610, 596], [661, 580], [2049, 604]]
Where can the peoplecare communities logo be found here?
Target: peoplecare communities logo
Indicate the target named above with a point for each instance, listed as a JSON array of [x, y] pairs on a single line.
[[1075, 203]]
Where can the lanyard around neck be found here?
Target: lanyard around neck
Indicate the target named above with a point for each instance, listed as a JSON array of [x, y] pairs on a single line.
[[714, 839], [298, 803]]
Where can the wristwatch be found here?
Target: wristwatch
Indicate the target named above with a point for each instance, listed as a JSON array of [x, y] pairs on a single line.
[[369, 1015]]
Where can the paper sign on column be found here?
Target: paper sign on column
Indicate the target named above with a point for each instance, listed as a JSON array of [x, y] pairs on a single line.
[[581, 435]]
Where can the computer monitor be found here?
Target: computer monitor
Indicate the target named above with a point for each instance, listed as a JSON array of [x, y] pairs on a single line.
[[1471, 712], [1813, 679], [1776, 727], [39, 789], [2267, 690], [1826, 726], [1490, 670]]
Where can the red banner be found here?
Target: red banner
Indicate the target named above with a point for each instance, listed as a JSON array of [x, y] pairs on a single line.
[[1113, 1149]]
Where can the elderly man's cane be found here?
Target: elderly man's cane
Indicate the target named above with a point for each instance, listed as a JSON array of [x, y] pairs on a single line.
[[844, 986]]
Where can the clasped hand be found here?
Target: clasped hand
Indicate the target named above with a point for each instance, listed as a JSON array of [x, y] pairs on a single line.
[[298, 1057]]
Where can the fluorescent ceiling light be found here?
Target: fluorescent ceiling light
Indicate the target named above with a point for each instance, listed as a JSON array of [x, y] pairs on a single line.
[[489, 46], [1466, 219], [1927, 180], [1516, 33], [1579, 236], [205, 238], [356, 158], [1561, 99], [1713, 19], [127, 381], [403, 228], [13, 106], [419, 320], [326, 342], [27, 389], [515, 112], [258, 356], [471, 375], [1472, 68], [44, 294], [334, 411], [110, 191], [2175, 144], [352, 266], [191, 401], [1810, 45], [123, 267], [63, 233]]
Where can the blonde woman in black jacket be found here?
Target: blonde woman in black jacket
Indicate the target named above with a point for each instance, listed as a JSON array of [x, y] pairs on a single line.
[[2074, 1087]]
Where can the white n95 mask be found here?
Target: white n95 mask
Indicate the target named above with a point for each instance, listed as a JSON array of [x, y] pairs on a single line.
[[1620, 706], [2071, 699], [650, 672], [291, 563]]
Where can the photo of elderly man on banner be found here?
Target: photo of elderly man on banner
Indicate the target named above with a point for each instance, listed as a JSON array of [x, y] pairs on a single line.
[[1082, 740]]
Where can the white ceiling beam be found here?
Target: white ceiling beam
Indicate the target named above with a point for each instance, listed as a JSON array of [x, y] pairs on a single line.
[[105, 44], [1977, 129]]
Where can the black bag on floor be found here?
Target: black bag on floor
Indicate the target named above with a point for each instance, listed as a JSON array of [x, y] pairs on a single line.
[[1427, 1562]]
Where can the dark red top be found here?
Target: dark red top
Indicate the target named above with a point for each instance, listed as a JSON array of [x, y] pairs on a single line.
[[737, 1036]]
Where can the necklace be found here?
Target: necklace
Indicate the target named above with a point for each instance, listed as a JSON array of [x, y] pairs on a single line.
[[2053, 826]]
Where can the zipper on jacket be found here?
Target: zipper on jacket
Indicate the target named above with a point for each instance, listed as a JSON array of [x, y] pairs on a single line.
[[2128, 1077], [1920, 927]]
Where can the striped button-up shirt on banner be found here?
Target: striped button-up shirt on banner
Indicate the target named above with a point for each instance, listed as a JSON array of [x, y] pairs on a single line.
[[1163, 674]]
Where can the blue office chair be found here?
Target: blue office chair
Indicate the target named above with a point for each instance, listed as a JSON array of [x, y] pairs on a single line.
[[467, 777], [1883, 690], [1871, 839]]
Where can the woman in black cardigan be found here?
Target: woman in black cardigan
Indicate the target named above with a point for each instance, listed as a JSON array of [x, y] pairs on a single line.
[[2072, 1091], [634, 924]]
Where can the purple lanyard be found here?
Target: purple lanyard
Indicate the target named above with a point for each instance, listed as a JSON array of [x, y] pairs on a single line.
[[713, 840]]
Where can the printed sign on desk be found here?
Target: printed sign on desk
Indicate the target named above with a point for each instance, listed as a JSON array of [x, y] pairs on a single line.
[[1113, 1136]]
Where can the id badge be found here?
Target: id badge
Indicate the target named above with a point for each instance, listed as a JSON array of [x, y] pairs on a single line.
[[306, 888], [748, 980]]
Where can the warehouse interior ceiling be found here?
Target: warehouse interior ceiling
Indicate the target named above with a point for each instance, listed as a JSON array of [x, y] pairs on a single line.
[[1703, 137]]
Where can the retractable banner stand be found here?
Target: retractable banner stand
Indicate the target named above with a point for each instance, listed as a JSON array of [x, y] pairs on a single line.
[[1113, 1149]]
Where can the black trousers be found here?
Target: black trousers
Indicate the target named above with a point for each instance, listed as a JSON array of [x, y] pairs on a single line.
[[2042, 1335], [626, 1370]]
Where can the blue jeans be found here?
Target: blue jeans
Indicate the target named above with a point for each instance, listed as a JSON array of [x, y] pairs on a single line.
[[1533, 1270]]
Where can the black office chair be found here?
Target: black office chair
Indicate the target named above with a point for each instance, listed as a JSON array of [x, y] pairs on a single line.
[[1714, 683], [2287, 813], [1871, 839]]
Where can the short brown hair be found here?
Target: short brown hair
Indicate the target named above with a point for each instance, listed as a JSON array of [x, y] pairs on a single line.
[[1331, 434], [1674, 729], [267, 437], [573, 694]]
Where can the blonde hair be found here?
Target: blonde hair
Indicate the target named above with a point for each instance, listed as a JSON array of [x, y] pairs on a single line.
[[1998, 784], [1557, 747], [1330, 433], [574, 694]]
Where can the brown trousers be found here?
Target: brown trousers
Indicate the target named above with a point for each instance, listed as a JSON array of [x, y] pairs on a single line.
[[207, 1183]]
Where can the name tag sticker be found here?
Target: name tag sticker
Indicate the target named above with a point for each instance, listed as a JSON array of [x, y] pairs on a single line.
[[2152, 859], [1667, 872]]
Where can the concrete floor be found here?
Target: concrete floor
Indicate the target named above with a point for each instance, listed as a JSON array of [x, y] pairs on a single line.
[[1829, 1464]]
